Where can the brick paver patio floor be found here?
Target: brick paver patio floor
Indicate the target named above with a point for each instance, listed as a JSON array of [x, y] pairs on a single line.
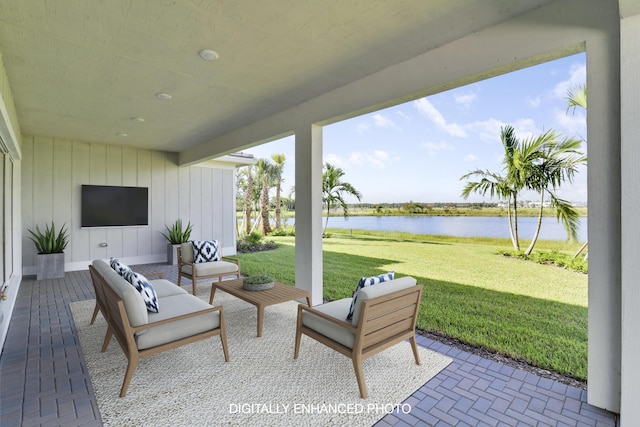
[[44, 379]]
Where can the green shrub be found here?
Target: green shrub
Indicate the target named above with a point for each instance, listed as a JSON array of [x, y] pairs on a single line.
[[252, 242], [559, 259]]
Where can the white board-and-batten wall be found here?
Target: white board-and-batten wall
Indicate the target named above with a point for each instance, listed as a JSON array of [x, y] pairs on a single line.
[[54, 170]]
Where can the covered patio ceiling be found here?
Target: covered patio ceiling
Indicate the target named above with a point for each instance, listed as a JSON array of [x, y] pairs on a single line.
[[91, 71]]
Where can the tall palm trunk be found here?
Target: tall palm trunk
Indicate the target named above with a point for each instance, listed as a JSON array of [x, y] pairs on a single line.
[[264, 209], [278, 210], [326, 222], [248, 201], [516, 237], [538, 225], [510, 218]]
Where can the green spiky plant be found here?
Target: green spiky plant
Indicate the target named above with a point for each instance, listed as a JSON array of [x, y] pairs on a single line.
[[50, 242], [175, 235]]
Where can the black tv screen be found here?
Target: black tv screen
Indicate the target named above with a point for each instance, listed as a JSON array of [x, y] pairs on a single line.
[[113, 206]]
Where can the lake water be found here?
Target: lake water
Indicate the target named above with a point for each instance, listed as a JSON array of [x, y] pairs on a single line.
[[462, 226]]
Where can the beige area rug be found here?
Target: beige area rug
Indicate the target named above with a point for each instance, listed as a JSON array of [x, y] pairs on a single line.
[[261, 385]]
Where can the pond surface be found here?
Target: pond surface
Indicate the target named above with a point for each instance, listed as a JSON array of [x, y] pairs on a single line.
[[461, 226]]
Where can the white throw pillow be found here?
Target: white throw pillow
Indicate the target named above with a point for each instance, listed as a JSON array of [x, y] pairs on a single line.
[[205, 251], [146, 290], [119, 267]]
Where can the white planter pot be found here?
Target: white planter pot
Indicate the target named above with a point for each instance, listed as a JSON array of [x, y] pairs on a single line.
[[172, 254], [50, 266]]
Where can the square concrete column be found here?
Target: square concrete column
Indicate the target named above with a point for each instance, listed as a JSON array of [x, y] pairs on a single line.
[[309, 211], [630, 182]]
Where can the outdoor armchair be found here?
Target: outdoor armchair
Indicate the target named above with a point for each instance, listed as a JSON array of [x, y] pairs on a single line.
[[384, 315], [191, 266]]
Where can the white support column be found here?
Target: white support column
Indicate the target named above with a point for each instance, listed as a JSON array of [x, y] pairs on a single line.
[[604, 181], [630, 129], [309, 211]]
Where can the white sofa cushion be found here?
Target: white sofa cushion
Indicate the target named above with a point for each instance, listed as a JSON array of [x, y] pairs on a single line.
[[172, 306], [334, 309], [165, 288]]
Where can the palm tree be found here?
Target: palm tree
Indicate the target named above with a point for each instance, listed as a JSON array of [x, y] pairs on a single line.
[[577, 97], [248, 198], [504, 187], [496, 185], [333, 190], [541, 164], [265, 171], [558, 162], [279, 167]]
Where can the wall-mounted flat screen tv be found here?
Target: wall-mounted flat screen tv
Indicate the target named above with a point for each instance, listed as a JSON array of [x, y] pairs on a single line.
[[114, 206]]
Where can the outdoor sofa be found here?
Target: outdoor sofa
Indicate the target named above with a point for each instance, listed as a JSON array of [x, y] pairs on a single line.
[[181, 318]]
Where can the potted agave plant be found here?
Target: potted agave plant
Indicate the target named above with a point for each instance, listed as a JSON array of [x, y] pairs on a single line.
[[50, 246], [175, 236]]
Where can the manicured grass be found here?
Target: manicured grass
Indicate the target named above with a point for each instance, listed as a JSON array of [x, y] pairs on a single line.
[[525, 310]]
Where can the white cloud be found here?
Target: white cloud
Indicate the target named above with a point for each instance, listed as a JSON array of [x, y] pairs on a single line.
[[535, 102], [382, 121], [404, 115], [489, 130], [356, 158], [465, 99], [577, 76], [382, 155], [433, 148], [362, 127], [526, 128], [486, 130], [470, 158], [377, 159], [574, 124], [335, 160], [432, 113]]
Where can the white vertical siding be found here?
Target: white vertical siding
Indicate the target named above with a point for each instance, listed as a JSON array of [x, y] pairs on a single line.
[[54, 170]]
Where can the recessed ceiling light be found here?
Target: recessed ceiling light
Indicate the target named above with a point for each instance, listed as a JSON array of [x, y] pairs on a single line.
[[209, 55], [137, 119], [121, 134], [163, 96]]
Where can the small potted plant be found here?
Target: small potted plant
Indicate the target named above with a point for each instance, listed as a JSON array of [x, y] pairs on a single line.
[[257, 283], [175, 236], [50, 246]]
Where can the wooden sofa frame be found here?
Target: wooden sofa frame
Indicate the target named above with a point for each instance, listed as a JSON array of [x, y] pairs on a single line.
[[112, 307], [384, 322], [195, 278]]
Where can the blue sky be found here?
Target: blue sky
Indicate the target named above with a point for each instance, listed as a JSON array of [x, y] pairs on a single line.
[[419, 150]]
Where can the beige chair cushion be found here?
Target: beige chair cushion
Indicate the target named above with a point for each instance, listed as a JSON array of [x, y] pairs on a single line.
[[187, 252], [173, 306], [379, 289], [211, 268], [336, 309]]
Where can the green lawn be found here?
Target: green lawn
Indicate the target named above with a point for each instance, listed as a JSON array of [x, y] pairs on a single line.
[[529, 311]]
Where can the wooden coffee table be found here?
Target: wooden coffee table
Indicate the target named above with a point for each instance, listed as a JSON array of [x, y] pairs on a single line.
[[279, 293]]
